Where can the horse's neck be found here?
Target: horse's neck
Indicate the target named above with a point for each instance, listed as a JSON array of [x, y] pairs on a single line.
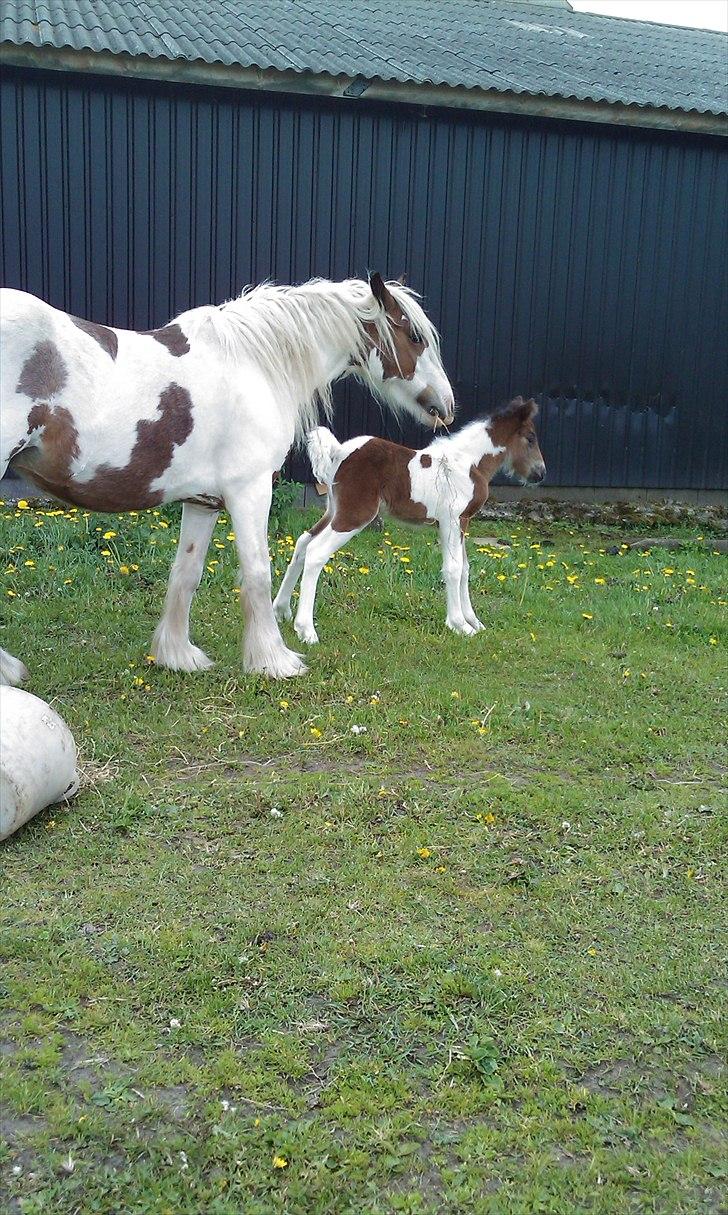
[[477, 446]]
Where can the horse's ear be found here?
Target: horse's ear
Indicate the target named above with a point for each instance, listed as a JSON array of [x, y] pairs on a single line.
[[402, 280], [381, 292], [522, 411]]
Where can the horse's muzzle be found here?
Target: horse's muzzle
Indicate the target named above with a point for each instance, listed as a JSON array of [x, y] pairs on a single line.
[[441, 412]]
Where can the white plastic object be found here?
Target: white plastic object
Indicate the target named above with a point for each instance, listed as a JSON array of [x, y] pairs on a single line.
[[37, 758]]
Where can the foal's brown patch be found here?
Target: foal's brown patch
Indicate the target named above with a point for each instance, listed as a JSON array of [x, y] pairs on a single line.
[[376, 472], [106, 338], [44, 372], [170, 336], [425, 460], [110, 489]]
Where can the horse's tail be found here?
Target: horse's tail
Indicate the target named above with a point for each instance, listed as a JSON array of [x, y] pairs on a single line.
[[324, 452]]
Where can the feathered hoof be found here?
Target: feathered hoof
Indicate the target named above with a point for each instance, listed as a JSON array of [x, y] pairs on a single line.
[[178, 657], [279, 663]]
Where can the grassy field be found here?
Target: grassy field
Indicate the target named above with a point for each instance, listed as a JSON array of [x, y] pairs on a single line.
[[437, 929]]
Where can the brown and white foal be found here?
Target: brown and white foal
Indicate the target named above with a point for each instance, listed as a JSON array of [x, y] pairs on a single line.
[[446, 483]]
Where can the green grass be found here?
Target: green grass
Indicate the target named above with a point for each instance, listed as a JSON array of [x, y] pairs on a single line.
[[466, 961]]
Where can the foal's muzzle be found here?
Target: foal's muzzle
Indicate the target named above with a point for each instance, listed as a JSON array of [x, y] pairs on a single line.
[[537, 475]]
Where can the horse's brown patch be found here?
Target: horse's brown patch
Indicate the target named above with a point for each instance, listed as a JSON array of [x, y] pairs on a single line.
[[376, 472], [44, 372], [425, 460], [106, 338], [170, 336], [110, 489]]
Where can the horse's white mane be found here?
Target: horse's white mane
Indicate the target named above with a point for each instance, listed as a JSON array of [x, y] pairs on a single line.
[[288, 332]]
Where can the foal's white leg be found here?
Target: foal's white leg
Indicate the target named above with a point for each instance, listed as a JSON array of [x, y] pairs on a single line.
[[452, 569], [318, 551], [264, 650], [465, 604], [171, 645], [12, 670], [282, 601]]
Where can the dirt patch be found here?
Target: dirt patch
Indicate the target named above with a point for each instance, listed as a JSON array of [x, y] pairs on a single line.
[[15, 1128], [247, 765]]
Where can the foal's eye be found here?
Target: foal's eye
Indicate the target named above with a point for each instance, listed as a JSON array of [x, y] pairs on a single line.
[[531, 439]]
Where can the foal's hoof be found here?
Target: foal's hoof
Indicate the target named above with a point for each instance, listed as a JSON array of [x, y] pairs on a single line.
[[283, 611], [461, 627], [307, 633]]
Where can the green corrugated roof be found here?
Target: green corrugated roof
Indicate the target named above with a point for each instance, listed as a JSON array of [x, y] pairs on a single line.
[[524, 47]]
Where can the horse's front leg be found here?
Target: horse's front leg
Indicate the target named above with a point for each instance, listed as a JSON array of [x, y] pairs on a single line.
[[264, 650], [171, 645]]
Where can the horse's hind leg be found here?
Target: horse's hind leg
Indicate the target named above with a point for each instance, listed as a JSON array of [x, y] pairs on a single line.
[[320, 550], [282, 601], [171, 644]]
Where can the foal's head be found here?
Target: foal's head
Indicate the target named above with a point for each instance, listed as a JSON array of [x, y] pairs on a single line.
[[512, 426], [403, 359]]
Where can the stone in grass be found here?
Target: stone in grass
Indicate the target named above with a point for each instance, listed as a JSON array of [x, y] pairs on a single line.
[[37, 758], [490, 542]]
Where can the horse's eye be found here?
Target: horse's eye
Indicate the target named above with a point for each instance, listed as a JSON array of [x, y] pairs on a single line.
[[531, 439], [416, 337]]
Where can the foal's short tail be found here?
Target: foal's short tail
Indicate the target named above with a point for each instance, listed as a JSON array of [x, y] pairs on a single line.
[[324, 452]]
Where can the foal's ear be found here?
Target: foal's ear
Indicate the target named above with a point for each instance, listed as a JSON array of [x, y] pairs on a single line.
[[525, 411], [381, 292]]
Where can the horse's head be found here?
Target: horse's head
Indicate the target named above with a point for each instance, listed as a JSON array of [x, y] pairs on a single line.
[[402, 362], [513, 427]]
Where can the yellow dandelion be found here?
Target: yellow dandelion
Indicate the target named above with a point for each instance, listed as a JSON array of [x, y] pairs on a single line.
[[713, 640], [123, 569], [587, 616], [280, 1162], [109, 535], [455, 695], [501, 577], [30, 563], [22, 504], [363, 569], [316, 732], [283, 704], [601, 581], [424, 853]]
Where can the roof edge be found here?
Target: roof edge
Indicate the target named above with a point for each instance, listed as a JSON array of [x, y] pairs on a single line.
[[176, 71]]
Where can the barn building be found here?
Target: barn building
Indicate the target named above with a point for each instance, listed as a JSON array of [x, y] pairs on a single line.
[[554, 182]]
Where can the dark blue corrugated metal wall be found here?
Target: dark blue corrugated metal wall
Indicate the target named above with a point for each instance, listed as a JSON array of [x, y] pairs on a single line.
[[584, 265]]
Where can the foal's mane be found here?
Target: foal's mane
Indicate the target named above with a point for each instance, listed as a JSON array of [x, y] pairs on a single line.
[[287, 331]]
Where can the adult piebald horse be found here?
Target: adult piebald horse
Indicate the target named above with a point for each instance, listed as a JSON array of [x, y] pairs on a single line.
[[203, 411]]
